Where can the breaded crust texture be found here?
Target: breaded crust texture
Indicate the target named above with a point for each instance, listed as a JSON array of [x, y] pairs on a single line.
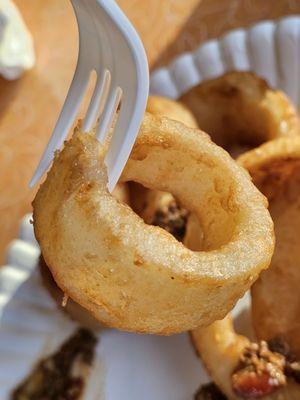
[[138, 277]]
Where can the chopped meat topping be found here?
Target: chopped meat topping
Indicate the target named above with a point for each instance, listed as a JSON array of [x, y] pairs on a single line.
[[260, 372], [172, 217], [209, 392], [262, 359], [60, 376]]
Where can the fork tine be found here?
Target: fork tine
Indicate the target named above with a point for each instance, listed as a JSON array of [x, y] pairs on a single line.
[[98, 100], [121, 144], [108, 115], [64, 122]]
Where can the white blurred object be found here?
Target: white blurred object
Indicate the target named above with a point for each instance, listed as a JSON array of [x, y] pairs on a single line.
[[16, 45], [271, 49]]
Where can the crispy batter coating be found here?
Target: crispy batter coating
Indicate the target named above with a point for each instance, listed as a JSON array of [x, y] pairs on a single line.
[[135, 276], [221, 349]]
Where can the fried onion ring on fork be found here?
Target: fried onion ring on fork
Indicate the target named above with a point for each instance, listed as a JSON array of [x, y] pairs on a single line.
[[138, 277]]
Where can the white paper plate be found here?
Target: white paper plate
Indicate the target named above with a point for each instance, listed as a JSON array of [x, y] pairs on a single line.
[[271, 49]]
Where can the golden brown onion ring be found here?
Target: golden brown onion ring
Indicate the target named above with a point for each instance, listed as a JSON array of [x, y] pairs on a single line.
[[135, 276], [240, 111], [275, 169]]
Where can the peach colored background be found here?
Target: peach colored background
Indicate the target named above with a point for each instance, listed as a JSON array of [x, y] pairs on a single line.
[[30, 106]]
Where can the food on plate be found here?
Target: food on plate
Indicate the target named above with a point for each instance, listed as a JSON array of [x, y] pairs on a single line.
[[16, 45], [138, 277], [245, 370], [275, 169], [172, 109], [240, 111], [62, 375], [270, 368]]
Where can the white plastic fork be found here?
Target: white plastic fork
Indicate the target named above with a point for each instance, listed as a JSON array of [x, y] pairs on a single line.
[[110, 46]]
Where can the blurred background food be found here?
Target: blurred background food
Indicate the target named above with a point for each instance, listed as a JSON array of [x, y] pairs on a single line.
[[29, 106]]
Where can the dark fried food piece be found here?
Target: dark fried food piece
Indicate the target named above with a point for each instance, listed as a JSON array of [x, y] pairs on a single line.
[[173, 218], [63, 374], [209, 391]]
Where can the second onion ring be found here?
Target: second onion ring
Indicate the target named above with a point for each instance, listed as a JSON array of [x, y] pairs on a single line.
[[240, 111], [275, 169]]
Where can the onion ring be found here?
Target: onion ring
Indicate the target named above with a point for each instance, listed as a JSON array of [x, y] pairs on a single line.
[[240, 111], [137, 277], [221, 348], [275, 170]]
